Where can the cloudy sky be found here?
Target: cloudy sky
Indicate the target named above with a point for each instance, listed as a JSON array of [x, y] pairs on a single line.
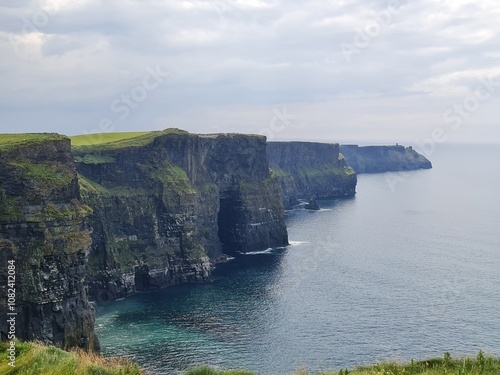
[[339, 70]]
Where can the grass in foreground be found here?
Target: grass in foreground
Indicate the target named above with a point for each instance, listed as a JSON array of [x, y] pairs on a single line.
[[481, 365], [38, 359]]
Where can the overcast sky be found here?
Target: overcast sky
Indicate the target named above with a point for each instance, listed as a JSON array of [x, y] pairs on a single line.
[[333, 70]]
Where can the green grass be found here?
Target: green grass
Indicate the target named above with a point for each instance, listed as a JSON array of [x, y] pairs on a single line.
[[123, 254], [89, 187], [52, 212], [174, 178], [276, 171], [348, 170], [37, 359], [10, 141], [341, 171], [481, 365], [10, 207], [115, 141], [46, 175], [100, 138], [94, 159]]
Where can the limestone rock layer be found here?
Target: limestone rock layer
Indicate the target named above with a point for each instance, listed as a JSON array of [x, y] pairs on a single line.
[[44, 232], [167, 206]]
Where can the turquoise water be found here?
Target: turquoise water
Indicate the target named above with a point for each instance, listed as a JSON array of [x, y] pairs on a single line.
[[404, 270]]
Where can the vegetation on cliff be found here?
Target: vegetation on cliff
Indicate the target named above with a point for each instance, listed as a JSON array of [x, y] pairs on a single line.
[[43, 228], [10, 141], [31, 164], [167, 203], [481, 365], [33, 358]]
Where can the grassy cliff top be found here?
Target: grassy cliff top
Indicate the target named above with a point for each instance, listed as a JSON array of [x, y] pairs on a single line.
[[89, 143], [9, 141], [100, 138], [115, 141], [34, 358]]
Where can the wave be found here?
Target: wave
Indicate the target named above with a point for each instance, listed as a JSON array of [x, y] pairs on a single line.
[[296, 243], [268, 251]]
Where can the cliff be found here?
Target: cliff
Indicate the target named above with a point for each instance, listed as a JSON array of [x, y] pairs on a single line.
[[43, 230], [375, 159], [168, 204], [306, 169]]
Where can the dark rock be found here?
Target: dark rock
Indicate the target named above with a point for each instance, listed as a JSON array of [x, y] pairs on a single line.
[[166, 210], [306, 169], [43, 228], [312, 204], [376, 159]]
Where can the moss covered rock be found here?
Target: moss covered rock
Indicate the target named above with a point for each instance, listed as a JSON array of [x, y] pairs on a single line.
[[43, 229], [168, 204]]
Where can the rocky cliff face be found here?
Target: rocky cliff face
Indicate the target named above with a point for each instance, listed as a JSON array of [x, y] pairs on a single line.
[[306, 169], [375, 159], [43, 230], [169, 204]]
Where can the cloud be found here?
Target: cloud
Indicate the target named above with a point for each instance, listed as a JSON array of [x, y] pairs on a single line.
[[232, 62]]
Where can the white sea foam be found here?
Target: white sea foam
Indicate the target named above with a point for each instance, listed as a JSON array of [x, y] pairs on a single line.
[[296, 243], [268, 251]]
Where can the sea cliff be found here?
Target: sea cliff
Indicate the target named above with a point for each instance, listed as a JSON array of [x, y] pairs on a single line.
[[167, 205], [44, 233], [376, 159], [120, 212], [307, 169]]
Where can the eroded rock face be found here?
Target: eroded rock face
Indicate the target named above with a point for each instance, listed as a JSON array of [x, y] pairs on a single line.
[[376, 159], [307, 169], [43, 229], [167, 209]]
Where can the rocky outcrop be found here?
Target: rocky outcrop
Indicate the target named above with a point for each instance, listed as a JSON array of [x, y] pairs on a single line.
[[312, 204], [169, 204], [306, 169], [376, 159], [43, 231]]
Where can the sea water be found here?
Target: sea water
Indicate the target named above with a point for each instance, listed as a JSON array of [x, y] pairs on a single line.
[[408, 268]]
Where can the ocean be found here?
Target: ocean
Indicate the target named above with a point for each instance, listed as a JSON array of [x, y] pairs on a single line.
[[409, 268]]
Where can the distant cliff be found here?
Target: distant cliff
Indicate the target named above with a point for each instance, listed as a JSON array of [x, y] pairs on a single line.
[[375, 159], [43, 229], [168, 204], [306, 169]]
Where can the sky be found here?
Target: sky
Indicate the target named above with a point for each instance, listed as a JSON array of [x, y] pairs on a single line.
[[369, 71]]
